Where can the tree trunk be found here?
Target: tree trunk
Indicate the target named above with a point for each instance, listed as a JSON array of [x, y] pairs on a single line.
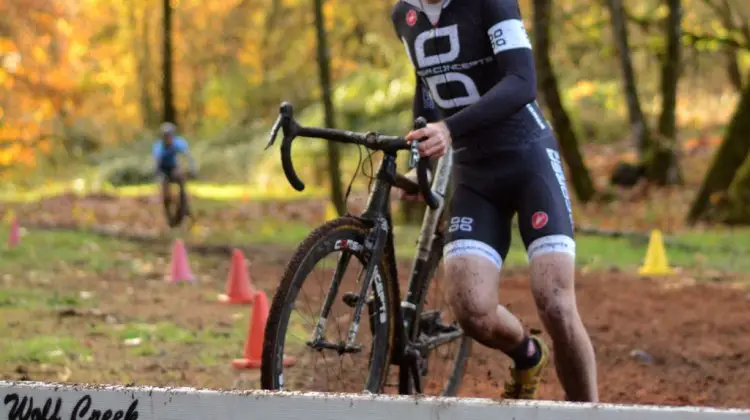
[[638, 125], [167, 87], [324, 70], [661, 166], [729, 158], [733, 68], [580, 177], [737, 211], [724, 10], [140, 44]]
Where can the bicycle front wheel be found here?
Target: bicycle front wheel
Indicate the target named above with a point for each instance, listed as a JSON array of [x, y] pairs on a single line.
[[311, 317]]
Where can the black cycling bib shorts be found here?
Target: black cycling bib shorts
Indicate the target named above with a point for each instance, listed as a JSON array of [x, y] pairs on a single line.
[[475, 72]]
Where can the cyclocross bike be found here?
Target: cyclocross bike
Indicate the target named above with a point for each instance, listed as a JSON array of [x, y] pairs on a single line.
[[404, 333], [175, 208]]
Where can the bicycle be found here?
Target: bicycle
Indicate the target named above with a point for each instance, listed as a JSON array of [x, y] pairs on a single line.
[[175, 210], [404, 333]]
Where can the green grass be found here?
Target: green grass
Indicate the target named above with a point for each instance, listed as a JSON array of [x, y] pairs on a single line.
[[48, 250], [42, 349], [219, 192], [43, 251], [595, 252]]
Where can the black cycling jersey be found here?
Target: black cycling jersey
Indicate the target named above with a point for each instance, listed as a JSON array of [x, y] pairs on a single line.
[[477, 65]]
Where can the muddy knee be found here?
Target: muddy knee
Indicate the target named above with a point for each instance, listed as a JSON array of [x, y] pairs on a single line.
[[552, 281], [472, 292]]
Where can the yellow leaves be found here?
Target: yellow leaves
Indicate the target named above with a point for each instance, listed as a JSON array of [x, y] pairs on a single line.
[[217, 107]]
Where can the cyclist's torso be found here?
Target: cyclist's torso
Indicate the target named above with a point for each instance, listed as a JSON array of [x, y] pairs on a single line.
[[455, 61], [167, 154]]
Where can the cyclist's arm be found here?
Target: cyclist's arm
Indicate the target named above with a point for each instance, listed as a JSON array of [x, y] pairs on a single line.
[[156, 155], [183, 148], [512, 50]]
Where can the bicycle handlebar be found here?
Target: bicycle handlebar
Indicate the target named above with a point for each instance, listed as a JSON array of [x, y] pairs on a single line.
[[371, 140]]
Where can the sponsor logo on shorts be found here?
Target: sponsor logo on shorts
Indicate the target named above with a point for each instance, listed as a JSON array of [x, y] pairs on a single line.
[[539, 220], [557, 168], [460, 223], [411, 17]]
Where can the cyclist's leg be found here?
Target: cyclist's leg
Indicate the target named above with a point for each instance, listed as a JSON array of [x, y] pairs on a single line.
[[163, 180], [478, 238], [546, 224]]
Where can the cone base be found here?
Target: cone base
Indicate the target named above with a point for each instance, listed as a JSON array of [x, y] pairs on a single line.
[[654, 271], [236, 300], [255, 364], [181, 279]]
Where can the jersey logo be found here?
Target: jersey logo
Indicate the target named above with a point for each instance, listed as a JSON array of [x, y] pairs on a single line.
[[508, 35], [539, 220], [411, 17], [459, 97]]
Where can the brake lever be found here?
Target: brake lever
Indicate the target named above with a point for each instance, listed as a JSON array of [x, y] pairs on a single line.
[[274, 132], [414, 157]]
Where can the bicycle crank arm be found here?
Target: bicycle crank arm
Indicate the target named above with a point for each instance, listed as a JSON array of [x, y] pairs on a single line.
[[341, 348]]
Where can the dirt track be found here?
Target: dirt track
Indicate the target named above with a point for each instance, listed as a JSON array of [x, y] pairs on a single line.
[[696, 338]]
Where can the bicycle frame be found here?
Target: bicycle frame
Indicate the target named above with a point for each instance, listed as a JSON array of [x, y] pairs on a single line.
[[407, 351]]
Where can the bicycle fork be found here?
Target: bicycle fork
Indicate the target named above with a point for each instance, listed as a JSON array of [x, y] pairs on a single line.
[[413, 360], [374, 244]]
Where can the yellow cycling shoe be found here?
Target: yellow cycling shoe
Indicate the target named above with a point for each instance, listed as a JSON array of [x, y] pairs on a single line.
[[524, 384]]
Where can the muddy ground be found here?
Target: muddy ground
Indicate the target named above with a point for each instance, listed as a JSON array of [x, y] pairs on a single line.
[[657, 341]]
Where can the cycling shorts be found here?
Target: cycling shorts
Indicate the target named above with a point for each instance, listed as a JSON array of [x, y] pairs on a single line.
[[528, 181]]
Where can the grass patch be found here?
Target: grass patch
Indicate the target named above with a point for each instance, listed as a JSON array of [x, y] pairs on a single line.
[[221, 343], [46, 349], [280, 191], [46, 250], [165, 332], [720, 249]]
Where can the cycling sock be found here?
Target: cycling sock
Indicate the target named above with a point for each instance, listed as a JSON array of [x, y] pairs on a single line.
[[526, 355]]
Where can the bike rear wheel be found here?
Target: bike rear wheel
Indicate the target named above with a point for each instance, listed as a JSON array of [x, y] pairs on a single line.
[[365, 370], [174, 206]]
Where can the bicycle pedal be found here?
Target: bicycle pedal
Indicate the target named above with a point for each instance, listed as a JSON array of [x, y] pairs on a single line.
[[351, 299]]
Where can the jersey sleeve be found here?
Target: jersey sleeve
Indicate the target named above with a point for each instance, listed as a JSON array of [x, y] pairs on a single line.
[[515, 63], [181, 145], [156, 150]]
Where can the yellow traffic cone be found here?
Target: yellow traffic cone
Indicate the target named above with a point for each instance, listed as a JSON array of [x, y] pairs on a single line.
[[655, 263]]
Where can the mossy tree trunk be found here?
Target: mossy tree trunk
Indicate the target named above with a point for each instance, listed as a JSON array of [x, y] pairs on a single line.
[[660, 162], [324, 73], [729, 159], [580, 177]]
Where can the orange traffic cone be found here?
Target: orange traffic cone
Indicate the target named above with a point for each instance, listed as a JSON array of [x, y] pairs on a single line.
[[14, 237], [180, 268], [239, 286], [256, 330]]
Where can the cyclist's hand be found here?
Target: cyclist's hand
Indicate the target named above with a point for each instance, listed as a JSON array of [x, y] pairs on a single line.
[[437, 139]]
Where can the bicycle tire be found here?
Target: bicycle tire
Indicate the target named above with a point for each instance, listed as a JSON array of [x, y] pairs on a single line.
[[174, 218], [459, 364], [320, 243]]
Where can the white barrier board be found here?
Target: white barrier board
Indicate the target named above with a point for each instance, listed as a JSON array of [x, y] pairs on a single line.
[[42, 401]]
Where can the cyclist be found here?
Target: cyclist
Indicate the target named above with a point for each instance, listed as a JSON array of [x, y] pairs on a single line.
[[475, 67], [165, 152]]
